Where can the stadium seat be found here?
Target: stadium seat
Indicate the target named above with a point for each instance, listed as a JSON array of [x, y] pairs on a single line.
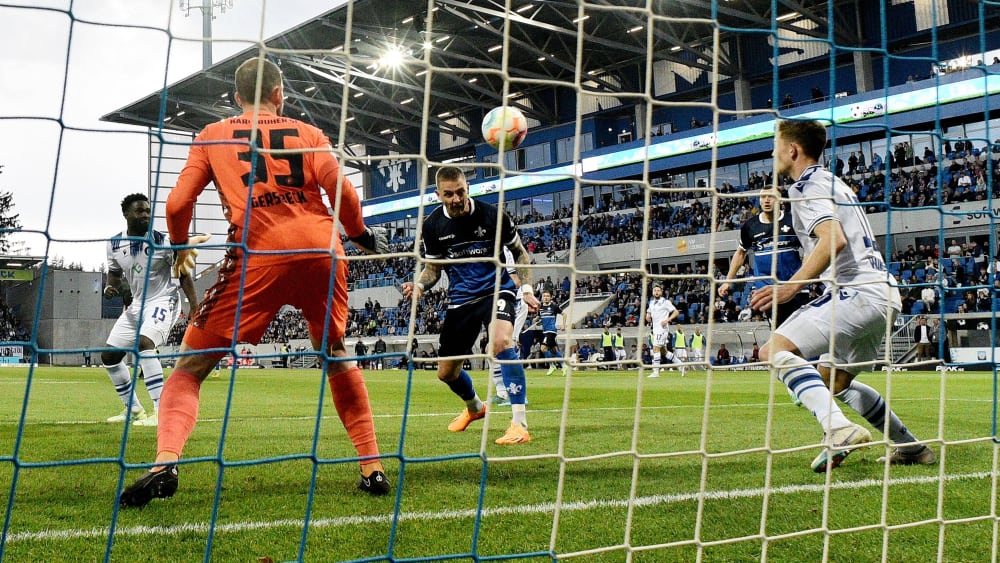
[[918, 308]]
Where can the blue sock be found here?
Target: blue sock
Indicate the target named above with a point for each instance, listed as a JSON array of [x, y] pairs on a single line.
[[513, 377], [462, 386]]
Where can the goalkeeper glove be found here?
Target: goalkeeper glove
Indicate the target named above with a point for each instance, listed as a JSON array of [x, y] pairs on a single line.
[[372, 241], [184, 262]]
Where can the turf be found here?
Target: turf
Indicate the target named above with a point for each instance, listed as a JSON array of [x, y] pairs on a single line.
[[620, 468]]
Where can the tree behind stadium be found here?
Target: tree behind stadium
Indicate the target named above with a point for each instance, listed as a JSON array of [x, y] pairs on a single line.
[[8, 222]]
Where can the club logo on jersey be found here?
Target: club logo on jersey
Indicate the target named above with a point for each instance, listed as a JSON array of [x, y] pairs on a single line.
[[137, 268], [785, 228], [480, 232]]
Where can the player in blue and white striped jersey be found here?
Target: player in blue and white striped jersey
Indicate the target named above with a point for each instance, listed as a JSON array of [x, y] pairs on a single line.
[[146, 270], [846, 324]]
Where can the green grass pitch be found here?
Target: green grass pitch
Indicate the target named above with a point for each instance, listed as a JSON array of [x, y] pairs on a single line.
[[661, 468]]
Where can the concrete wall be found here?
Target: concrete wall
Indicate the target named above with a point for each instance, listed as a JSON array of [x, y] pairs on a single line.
[[70, 316]]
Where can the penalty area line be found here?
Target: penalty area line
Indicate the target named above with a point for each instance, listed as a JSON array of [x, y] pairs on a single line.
[[521, 510]]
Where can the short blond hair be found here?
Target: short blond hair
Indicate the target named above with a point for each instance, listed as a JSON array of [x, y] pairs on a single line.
[[246, 79]]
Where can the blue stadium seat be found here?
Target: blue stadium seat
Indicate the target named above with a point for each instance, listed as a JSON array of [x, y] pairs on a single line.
[[920, 273], [951, 304], [918, 308]]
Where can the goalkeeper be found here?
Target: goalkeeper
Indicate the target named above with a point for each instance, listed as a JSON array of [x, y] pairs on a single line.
[[285, 248]]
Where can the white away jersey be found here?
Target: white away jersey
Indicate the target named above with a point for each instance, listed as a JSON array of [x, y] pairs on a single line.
[[660, 310], [130, 258], [820, 196]]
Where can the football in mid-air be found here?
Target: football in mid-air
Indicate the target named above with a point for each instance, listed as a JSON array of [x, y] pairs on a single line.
[[505, 127]]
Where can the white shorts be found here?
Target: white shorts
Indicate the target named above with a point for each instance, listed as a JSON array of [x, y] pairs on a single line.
[[620, 354], [660, 339], [681, 354], [158, 317], [853, 320], [697, 355]]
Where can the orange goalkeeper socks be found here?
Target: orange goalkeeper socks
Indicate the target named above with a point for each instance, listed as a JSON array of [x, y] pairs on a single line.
[[178, 411], [350, 397]]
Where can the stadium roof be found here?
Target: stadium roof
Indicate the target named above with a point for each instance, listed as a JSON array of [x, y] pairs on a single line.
[[20, 262], [341, 55]]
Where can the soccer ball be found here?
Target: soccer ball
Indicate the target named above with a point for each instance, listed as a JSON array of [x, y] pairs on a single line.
[[505, 127]]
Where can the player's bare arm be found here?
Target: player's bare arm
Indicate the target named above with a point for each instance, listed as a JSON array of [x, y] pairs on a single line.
[[671, 318], [739, 257], [114, 285], [523, 258], [425, 281], [831, 241]]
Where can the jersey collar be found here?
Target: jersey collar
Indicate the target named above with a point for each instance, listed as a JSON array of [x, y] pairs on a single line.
[[808, 170], [781, 215]]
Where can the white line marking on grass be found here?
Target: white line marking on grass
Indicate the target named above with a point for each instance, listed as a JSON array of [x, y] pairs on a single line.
[[450, 414], [50, 535]]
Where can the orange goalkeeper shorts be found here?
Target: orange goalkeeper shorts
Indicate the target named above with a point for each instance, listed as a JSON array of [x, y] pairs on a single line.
[[307, 283]]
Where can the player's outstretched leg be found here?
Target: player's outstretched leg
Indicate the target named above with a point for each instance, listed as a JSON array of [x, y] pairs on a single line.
[[844, 436], [180, 412], [867, 402], [350, 397]]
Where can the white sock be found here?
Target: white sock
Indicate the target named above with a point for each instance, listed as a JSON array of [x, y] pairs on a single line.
[[122, 380], [656, 362], [808, 385], [474, 404], [869, 403], [152, 374], [498, 380], [519, 415]]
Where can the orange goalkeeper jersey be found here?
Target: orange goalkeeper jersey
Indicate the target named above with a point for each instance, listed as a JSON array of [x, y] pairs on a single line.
[[286, 207]]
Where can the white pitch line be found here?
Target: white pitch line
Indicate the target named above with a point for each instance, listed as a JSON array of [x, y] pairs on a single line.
[[699, 407], [49, 535]]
